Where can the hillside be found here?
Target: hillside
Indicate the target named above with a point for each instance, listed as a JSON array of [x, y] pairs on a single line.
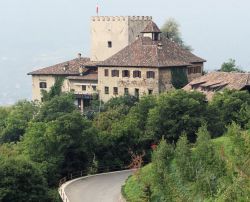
[[232, 185]]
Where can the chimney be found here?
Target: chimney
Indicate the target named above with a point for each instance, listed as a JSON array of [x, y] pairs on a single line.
[[79, 55]]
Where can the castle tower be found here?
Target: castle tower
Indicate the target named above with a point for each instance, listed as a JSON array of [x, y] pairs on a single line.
[[110, 34]]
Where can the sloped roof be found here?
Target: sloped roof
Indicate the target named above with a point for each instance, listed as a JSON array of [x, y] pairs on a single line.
[[213, 80], [151, 28], [66, 68], [145, 52]]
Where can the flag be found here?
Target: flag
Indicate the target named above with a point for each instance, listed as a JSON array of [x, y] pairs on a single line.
[[97, 9]]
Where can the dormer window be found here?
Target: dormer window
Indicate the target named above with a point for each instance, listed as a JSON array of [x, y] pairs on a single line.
[[156, 36]]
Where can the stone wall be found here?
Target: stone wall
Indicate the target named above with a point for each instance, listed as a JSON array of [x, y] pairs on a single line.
[[165, 78]]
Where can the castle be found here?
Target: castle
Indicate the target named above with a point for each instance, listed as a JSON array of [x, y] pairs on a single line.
[[128, 56]]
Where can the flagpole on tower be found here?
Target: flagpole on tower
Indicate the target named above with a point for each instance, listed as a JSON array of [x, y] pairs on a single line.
[[97, 9]]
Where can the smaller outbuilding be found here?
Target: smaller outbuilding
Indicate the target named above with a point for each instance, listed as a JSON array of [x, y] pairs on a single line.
[[218, 81]]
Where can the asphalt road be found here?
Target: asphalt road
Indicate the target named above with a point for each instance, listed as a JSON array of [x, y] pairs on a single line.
[[102, 188]]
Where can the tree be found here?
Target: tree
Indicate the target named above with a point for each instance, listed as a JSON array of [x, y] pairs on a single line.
[[161, 162], [21, 181], [176, 112], [56, 107], [171, 30], [208, 166], [183, 158], [60, 146], [230, 66], [231, 105], [17, 121]]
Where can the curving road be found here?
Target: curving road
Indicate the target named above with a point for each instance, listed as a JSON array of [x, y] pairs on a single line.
[[100, 188]]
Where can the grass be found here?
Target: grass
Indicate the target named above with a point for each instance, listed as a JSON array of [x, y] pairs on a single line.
[[133, 189]]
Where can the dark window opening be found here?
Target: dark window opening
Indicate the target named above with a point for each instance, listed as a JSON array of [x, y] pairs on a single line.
[[84, 87], [126, 91], [150, 74], [43, 85], [115, 91], [115, 73], [106, 72], [125, 73], [150, 92], [110, 44], [137, 74], [156, 36], [136, 92], [106, 90], [94, 88], [194, 70]]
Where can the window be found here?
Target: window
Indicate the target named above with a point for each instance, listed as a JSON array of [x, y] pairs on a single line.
[[194, 70], [106, 90], [110, 44], [84, 87], [43, 85], [94, 88], [156, 36], [150, 92], [125, 91], [150, 74], [106, 72], [125, 73], [136, 92], [137, 74], [115, 73], [115, 91]]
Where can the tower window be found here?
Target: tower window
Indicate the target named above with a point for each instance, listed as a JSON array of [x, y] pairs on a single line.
[[110, 44], [43, 85]]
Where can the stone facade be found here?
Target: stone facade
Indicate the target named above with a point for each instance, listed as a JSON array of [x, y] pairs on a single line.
[[143, 84], [111, 34]]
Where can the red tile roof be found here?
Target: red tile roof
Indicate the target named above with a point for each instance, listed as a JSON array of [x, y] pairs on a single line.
[[145, 52], [214, 81], [151, 28], [66, 68]]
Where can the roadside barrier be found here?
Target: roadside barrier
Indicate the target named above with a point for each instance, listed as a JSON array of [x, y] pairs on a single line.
[[85, 174]]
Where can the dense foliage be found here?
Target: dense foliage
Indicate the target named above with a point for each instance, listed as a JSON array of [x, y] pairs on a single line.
[[230, 66], [49, 140], [210, 170]]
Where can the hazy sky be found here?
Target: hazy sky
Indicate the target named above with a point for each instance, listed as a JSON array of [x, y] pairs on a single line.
[[37, 33]]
